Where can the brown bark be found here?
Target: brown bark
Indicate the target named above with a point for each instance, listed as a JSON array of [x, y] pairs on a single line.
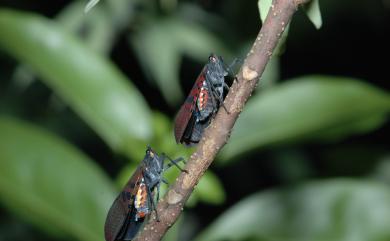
[[217, 134]]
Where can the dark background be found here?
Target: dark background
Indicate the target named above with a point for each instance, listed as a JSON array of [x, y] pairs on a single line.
[[352, 42]]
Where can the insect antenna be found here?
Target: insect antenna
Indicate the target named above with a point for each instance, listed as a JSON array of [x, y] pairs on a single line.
[[174, 163], [232, 65]]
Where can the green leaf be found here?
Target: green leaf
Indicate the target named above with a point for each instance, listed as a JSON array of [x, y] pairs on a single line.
[[90, 5], [125, 174], [313, 12], [50, 183], [173, 232], [308, 108], [101, 29], [334, 210], [382, 171], [164, 140], [99, 36], [197, 42], [271, 74], [210, 189], [104, 23], [90, 84], [264, 6], [162, 64]]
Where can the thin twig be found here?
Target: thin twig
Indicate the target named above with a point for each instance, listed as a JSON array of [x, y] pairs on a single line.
[[216, 136]]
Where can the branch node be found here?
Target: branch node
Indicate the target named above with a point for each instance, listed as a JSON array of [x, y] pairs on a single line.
[[248, 73], [174, 197]]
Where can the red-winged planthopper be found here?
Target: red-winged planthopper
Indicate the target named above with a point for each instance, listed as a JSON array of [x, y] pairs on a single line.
[[202, 103], [135, 203]]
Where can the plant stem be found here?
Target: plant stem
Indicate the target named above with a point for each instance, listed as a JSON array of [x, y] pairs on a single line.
[[218, 133]]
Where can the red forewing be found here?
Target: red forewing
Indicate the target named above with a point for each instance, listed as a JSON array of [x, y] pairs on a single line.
[[185, 113], [119, 214]]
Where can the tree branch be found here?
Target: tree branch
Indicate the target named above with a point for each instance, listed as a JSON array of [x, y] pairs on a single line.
[[217, 134]]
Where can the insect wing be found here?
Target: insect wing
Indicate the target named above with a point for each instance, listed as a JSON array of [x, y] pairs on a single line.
[[118, 221], [130, 228], [186, 111], [137, 214], [189, 131], [194, 131]]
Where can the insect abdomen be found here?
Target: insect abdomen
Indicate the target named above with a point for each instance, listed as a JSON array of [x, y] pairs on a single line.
[[141, 202]]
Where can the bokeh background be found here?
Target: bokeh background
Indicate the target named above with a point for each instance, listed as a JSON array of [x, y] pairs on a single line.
[[81, 95]]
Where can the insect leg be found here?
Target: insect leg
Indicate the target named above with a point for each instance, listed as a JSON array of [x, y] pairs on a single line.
[[152, 203], [232, 64], [174, 162], [164, 181], [230, 67], [226, 86], [158, 192], [212, 95], [215, 96], [223, 105]]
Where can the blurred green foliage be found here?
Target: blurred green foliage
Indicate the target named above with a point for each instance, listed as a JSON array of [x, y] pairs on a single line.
[[50, 183], [178, 38], [90, 84], [46, 180], [319, 107], [340, 209]]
